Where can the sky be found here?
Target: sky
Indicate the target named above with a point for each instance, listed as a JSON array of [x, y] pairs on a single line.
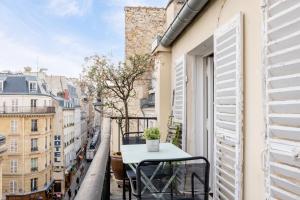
[[59, 34]]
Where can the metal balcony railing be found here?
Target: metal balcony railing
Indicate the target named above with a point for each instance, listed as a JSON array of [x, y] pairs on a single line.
[[96, 184], [26, 110], [137, 125], [34, 169], [2, 139], [33, 149]]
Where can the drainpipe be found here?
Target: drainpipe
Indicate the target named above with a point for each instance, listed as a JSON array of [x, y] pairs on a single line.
[[187, 13]]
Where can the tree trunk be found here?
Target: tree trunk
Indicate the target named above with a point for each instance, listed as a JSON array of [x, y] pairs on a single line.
[[126, 117]]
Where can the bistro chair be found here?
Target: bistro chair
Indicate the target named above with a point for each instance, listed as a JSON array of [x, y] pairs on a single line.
[[137, 138], [183, 178], [133, 138]]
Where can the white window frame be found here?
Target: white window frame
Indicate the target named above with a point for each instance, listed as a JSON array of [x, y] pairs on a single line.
[[34, 184], [34, 163], [32, 120], [32, 86], [14, 105], [13, 146], [1, 86], [33, 103], [14, 166], [13, 187], [34, 143], [13, 126]]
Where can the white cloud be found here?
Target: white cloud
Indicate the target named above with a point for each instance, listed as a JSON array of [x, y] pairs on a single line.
[[69, 7], [16, 55]]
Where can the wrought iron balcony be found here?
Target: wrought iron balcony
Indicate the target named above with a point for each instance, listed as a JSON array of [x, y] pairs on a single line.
[[34, 169], [2, 144], [26, 110], [96, 184], [33, 149]]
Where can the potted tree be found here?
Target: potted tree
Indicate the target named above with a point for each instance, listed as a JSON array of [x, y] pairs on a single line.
[[114, 84], [152, 136]]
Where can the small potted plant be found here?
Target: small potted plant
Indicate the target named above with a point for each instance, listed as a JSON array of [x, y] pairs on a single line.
[[152, 136]]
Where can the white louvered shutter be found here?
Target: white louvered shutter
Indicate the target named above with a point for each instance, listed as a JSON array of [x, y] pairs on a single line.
[[282, 69], [179, 96], [228, 107]]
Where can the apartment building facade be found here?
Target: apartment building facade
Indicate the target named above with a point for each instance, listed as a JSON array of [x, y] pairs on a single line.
[[65, 141], [229, 72], [27, 115]]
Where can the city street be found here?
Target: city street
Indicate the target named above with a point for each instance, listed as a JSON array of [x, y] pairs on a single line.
[[74, 185]]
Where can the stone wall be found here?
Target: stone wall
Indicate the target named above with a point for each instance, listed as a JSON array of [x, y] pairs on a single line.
[[142, 25]]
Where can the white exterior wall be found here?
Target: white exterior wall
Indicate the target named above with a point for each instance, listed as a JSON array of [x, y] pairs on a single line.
[[69, 134], [213, 16], [77, 117], [25, 100]]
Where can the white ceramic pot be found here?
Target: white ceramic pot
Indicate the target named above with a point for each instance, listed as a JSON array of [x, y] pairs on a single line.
[[152, 145]]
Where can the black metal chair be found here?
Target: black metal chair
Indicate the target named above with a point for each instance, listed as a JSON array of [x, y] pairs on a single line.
[[128, 139], [184, 178], [133, 138]]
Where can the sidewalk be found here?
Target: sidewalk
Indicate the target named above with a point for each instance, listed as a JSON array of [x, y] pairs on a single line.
[[74, 186]]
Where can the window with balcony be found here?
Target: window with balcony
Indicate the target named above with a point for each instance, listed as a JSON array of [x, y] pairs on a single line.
[[13, 146], [32, 86], [14, 105], [34, 144], [33, 103], [34, 125], [13, 186], [34, 184], [13, 166], [34, 164], [13, 126]]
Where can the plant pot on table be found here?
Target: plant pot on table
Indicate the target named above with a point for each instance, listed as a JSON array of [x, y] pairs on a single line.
[[152, 145]]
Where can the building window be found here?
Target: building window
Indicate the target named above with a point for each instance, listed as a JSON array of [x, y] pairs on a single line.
[[32, 86], [1, 86], [46, 179], [14, 105], [13, 186], [46, 143], [34, 125], [13, 146], [13, 166], [46, 160], [13, 126], [46, 126], [34, 144], [33, 184], [34, 164], [33, 103]]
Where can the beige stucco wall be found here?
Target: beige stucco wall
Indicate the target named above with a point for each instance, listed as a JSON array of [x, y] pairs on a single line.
[[215, 14], [163, 91], [24, 154]]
